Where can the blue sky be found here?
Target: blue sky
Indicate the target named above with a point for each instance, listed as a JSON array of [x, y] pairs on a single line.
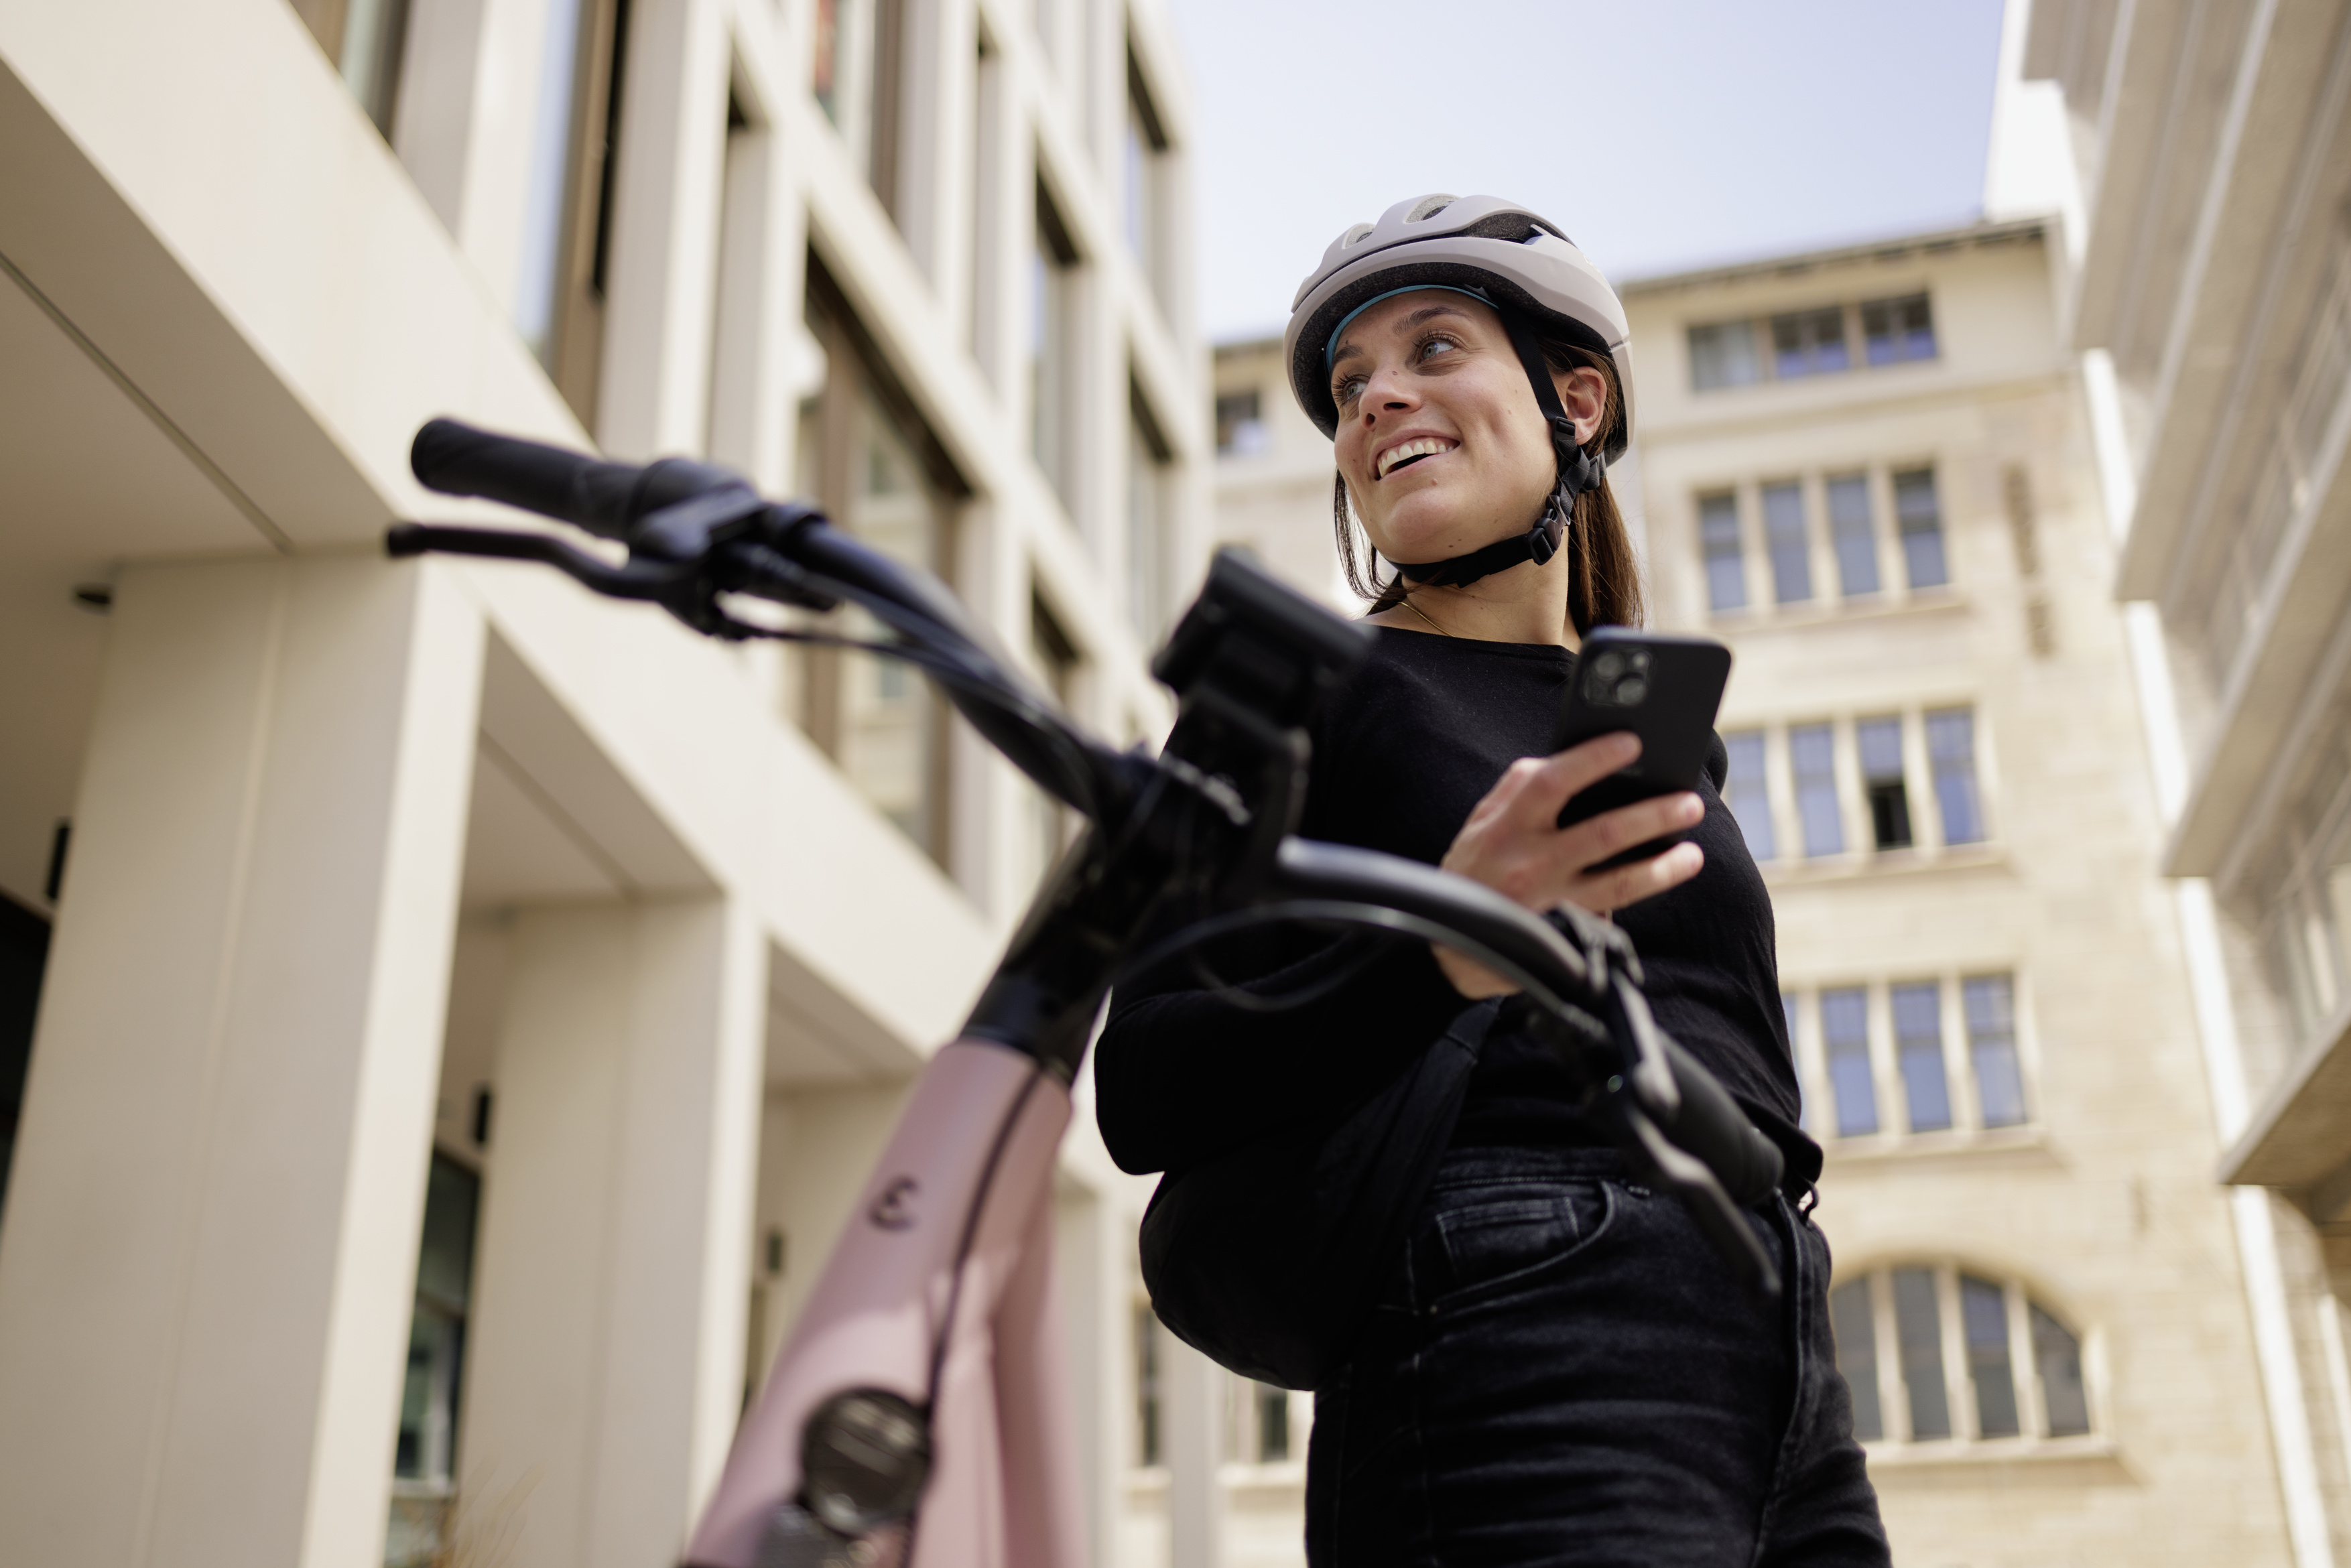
[[1660, 134]]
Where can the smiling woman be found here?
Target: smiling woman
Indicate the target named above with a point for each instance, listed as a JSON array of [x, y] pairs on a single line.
[[1554, 1349]]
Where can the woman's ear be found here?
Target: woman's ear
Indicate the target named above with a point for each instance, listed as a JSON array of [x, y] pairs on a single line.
[[1583, 393]]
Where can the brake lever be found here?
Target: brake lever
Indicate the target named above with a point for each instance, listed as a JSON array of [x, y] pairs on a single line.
[[647, 581]]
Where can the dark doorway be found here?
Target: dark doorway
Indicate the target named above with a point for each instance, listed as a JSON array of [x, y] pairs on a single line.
[[24, 958]]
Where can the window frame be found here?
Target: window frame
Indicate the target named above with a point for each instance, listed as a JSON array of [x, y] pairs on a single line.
[[1710, 550], [1892, 1133], [1962, 1394], [1825, 549], [1714, 367], [861, 384]]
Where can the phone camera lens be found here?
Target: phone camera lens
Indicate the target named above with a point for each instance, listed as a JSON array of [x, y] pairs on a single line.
[[1608, 666], [1632, 691]]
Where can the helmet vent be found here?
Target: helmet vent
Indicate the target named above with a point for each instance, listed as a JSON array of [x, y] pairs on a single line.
[[1348, 241], [1429, 207]]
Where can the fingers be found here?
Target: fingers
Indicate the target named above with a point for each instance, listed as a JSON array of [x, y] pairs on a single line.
[[1601, 891], [1471, 977], [1595, 838], [1532, 790]]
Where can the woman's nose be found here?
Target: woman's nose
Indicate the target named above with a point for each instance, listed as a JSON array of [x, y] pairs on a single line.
[[1385, 388]]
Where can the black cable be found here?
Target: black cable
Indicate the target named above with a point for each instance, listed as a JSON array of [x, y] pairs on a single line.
[[1350, 911]]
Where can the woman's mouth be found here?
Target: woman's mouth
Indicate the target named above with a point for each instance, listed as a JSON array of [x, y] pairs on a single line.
[[1405, 454]]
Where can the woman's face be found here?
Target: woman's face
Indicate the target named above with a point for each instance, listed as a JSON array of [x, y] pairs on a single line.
[[1441, 442]]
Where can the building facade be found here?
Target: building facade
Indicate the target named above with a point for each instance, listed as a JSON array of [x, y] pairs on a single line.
[[445, 1016], [1872, 472], [2202, 155]]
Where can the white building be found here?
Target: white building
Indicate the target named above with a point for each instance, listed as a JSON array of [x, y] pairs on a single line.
[[2203, 157], [443, 902]]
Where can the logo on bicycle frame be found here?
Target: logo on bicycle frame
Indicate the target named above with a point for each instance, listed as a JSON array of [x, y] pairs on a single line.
[[894, 1208]]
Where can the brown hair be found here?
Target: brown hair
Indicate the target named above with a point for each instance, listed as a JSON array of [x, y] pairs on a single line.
[[1607, 576]]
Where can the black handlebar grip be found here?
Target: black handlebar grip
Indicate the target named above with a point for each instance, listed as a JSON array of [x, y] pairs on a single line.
[[588, 492], [1711, 1125]]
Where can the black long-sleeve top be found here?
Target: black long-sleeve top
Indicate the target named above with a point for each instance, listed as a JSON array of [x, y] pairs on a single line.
[[1400, 758]]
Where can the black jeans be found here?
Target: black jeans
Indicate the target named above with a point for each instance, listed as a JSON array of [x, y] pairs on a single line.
[[1562, 1372]]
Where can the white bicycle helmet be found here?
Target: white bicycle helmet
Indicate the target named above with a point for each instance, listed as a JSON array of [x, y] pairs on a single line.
[[1485, 245], [1515, 260]]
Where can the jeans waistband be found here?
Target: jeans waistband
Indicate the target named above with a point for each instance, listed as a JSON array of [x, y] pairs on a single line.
[[1479, 1164], [1482, 1164]]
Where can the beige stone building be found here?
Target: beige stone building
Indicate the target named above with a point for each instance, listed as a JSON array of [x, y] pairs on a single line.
[[1872, 472], [442, 1016]]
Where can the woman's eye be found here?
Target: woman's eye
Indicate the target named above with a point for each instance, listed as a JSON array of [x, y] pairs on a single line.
[[1436, 346], [1346, 389]]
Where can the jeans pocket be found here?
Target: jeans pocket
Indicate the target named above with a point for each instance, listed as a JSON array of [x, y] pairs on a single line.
[[1490, 1241]]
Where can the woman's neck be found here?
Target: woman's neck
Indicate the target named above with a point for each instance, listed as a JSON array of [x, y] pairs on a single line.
[[1525, 603]]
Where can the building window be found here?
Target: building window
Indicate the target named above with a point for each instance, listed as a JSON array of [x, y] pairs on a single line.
[[1855, 535], [567, 239], [1879, 741], [1809, 343], [1919, 516], [1989, 1003], [1845, 1038], [1146, 157], [1723, 355], [1052, 265], [1919, 1048], [1260, 1430], [1894, 330], [1935, 1353], [1931, 1100], [1784, 536], [1952, 751], [424, 1451], [2305, 904], [366, 39], [876, 468], [1146, 520], [1149, 1434], [857, 72], [1718, 532], [1812, 753], [1057, 662], [1240, 425], [1748, 793]]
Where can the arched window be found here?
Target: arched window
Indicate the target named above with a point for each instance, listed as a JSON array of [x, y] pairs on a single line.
[[1934, 1352]]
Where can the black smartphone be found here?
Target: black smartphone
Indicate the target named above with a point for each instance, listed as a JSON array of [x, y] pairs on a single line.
[[1663, 688]]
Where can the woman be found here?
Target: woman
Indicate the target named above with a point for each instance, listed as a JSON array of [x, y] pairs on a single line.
[[1560, 1370]]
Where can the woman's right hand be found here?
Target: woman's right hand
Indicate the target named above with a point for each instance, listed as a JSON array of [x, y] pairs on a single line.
[[1513, 843]]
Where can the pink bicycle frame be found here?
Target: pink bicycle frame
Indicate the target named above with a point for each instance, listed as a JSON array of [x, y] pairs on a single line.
[[982, 1129]]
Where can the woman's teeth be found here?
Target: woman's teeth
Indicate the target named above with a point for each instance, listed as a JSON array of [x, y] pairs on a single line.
[[1395, 457]]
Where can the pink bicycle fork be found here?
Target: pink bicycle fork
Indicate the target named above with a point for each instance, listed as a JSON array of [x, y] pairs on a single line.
[[982, 1129]]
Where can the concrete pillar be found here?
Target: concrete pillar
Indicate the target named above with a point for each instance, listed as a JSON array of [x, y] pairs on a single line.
[[1192, 1389], [612, 1279], [210, 1247], [1093, 1241]]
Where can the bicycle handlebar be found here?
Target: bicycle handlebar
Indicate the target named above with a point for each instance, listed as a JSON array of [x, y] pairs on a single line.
[[1250, 659], [604, 497]]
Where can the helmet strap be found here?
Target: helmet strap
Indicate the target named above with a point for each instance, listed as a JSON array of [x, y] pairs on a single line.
[[1579, 471]]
